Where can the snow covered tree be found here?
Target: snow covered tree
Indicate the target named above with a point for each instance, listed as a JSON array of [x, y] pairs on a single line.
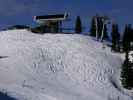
[[115, 38], [127, 72], [127, 68], [78, 25]]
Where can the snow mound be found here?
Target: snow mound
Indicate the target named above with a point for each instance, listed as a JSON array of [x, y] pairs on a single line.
[[131, 56], [58, 67]]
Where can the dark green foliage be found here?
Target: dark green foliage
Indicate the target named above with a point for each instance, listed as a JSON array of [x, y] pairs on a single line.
[[105, 36], [127, 73], [127, 68], [78, 25], [93, 27], [100, 26], [115, 38], [127, 38]]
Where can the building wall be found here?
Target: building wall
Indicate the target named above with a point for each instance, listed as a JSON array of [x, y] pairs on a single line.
[[52, 27]]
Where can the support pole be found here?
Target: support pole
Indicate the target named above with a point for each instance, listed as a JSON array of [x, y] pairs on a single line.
[[102, 31], [96, 28], [60, 26]]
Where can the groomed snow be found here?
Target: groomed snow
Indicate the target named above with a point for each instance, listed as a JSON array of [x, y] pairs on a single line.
[[58, 67]]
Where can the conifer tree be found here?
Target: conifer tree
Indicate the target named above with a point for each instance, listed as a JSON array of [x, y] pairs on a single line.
[[105, 36], [100, 26], [127, 72], [93, 27], [113, 35], [78, 25], [127, 38], [115, 38]]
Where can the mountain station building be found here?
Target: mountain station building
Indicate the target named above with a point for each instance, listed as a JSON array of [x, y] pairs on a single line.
[[51, 23]]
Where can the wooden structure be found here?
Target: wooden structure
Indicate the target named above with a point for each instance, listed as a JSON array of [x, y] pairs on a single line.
[[51, 23]]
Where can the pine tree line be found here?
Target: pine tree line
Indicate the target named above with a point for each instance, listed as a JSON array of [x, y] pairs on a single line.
[[127, 38], [125, 44], [98, 29]]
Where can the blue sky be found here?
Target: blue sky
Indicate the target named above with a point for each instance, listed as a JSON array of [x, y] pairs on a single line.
[[22, 11]]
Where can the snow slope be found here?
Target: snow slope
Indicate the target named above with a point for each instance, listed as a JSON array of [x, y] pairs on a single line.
[[58, 67]]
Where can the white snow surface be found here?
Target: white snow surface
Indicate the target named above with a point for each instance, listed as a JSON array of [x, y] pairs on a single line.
[[58, 67], [131, 56]]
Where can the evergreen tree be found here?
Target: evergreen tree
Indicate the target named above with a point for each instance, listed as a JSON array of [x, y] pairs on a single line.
[[105, 32], [93, 27], [78, 25], [132, 35], [100, 26], [113, 35], [127, 38], [130, 32], [127, 72], [115, 38]]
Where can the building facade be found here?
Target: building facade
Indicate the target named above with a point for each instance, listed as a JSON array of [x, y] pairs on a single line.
[[51, 23]]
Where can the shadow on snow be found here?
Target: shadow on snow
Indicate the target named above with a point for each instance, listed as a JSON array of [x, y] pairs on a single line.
[[4, 96]]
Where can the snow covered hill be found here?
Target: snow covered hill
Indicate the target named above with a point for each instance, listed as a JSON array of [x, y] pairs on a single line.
[[58, 67]]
